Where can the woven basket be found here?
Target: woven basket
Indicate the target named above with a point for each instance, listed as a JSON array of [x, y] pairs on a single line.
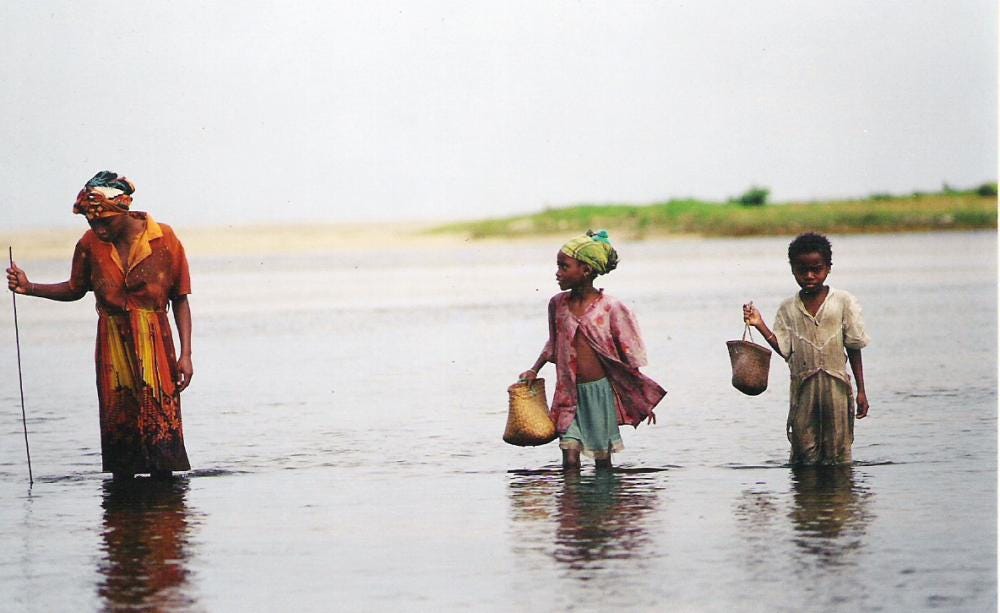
[[751, 363], [528, 422]]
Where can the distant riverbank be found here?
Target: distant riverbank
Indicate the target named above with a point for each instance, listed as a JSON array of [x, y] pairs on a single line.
[[952, 211], [914, 213]]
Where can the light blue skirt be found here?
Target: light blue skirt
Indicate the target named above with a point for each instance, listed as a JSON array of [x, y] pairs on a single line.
[[594, 430]]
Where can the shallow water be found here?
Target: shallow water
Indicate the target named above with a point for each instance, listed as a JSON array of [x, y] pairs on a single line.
[[345, 422]]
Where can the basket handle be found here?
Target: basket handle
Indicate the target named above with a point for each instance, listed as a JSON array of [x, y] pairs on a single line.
[[533, 388], [532, 392]]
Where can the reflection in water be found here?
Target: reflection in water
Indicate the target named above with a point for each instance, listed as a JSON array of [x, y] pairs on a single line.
[[830, 512], [146, 531], [597, 517], [600, 518]]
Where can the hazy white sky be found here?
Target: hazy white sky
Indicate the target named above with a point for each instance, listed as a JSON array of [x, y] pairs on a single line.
[[251, 111]]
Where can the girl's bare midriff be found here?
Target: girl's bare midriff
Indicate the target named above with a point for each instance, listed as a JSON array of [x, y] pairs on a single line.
[[588, 365]]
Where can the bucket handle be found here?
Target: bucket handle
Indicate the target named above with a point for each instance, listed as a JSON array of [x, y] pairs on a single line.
[[747, 330]]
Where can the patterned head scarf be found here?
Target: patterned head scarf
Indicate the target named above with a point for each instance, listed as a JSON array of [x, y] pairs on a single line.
[[593, 249], [105, 195]]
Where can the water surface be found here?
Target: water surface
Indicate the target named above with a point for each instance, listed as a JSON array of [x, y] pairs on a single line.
[[345, 417]]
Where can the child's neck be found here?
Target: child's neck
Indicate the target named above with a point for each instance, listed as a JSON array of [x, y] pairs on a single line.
[[581, 298], [814, 300], [583, 291]]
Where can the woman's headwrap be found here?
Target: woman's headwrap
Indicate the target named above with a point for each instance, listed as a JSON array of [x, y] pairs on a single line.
[[593, 249], [105, 195]]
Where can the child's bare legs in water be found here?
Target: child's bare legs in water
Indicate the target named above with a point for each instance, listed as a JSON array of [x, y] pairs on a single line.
[[571, 460]]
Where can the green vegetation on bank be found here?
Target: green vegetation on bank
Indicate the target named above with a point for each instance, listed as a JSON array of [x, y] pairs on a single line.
[[947, 210]]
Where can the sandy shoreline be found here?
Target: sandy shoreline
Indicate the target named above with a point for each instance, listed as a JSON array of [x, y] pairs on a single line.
[[257, 240]]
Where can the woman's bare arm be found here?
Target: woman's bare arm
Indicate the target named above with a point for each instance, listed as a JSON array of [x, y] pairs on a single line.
[[182, 317], [17, 282]]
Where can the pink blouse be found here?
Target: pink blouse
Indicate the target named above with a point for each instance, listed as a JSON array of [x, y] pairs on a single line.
[[610, 328]]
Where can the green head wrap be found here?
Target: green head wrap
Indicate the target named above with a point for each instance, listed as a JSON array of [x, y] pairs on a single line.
[[593, 249]]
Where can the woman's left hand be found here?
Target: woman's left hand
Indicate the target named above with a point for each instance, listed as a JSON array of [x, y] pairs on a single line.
[[185, 370]]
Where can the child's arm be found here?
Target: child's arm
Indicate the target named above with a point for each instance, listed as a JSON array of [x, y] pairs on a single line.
[[854, 357], [753, 317], [530, 374]]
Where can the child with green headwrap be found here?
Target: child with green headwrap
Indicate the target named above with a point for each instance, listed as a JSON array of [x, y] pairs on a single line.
[[594, 342]]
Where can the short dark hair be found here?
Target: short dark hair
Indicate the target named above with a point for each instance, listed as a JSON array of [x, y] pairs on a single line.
[[811, 242]]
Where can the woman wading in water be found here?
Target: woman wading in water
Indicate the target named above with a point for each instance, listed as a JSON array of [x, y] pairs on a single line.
[[135, 267]]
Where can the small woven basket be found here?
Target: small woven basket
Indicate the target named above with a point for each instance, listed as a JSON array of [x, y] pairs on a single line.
[[528, 422], [751, 363]]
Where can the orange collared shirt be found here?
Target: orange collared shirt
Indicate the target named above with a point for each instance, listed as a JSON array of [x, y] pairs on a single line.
[[156, 271]]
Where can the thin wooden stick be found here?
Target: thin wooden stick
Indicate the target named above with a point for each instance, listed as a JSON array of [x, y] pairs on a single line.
[[20, 381]]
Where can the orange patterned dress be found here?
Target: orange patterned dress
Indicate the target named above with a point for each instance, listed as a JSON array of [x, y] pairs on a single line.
[[140, 409]]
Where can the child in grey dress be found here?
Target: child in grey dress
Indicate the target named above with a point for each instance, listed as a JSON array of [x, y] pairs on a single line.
[[818, 331]]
